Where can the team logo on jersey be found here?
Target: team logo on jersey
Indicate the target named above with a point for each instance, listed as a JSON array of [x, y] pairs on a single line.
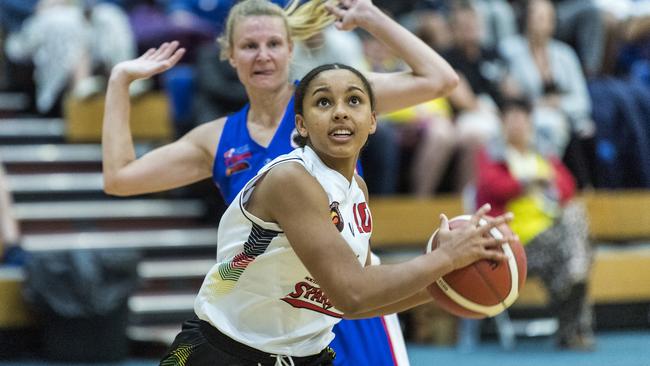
[[335, 214], [236, 161], [307, 295], [362, 217]]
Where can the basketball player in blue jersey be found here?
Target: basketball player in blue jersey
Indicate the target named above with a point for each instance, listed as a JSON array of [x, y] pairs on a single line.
[[258, 43]]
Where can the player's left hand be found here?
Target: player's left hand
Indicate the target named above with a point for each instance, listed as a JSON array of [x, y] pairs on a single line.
[[350, 13]]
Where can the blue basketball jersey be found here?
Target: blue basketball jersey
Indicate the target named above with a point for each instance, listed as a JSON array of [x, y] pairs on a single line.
[[363, 342], [239, 157]]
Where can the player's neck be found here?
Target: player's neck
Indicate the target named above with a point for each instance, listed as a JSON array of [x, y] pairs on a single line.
[[267, 108], [344, 166]]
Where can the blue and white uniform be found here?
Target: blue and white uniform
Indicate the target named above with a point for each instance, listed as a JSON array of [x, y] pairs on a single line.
[[366, 342]]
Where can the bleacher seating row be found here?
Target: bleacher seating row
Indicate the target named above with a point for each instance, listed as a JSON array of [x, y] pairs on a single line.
[[616, 219], [621, 272]]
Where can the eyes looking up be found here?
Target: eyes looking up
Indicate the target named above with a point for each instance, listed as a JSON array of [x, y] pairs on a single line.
[[353, 100]]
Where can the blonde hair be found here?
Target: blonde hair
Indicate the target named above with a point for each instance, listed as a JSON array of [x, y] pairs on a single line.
[[302, 21]]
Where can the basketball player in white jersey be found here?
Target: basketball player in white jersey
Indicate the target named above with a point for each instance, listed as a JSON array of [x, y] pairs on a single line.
[[293, 247]]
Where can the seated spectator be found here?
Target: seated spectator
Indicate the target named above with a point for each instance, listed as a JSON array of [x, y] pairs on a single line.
[[67, 43], [628, 46], [424, 132], [548, 72], [327, 46], [459, 133], [513, 175], [218, 89], [483, 67], [427, 131], [498, 21], [581, 24]]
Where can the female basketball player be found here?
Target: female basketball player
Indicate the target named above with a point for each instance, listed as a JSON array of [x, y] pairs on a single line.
[[294, 245], [258, 43]]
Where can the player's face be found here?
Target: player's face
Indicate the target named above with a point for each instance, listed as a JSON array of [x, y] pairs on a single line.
[[261, 52], [338, 115]]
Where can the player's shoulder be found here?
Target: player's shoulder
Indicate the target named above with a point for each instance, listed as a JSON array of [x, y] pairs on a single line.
[[290, 177], [208, 134], [362, 185], [287, 173]]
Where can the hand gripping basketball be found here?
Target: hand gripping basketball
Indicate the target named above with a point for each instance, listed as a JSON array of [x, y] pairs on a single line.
[[484, 288]]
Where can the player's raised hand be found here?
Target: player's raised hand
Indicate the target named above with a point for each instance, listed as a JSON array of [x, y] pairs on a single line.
[[152, 62], [349, 13]]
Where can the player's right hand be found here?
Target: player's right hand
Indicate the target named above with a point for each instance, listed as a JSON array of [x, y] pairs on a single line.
[[152, 62], [469, 243]]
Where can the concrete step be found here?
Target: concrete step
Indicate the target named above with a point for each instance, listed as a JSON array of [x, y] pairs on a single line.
[[136, 239], [162, 303], [175, 269], [14, 102], [57, 153], [56, 183], [109, 209], [163, 333], [25, 129]]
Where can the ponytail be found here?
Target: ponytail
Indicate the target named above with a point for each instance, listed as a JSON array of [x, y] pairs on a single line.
[[308, 19]]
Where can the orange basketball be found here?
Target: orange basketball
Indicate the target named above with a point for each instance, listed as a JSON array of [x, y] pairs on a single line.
[[484, 288]]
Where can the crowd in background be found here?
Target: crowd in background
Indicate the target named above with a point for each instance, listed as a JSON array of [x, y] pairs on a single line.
[[584, 64], [554, 97]]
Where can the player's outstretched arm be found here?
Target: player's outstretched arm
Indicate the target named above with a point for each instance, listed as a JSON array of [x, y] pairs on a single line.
[[430, 76], [294, 199], [174, 165]]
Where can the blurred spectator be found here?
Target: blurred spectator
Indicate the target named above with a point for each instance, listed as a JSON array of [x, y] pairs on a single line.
[[14, 12], [515, 176], [199, 13], [12, 15], [628, 38], [483, 67], [447, 135], [622, 143], [424, 133], [580, 23], [327, 46], [218, 89], [9, 232], [548, 72], [432, 28], [484, 75], [498, 23], [67, 42]]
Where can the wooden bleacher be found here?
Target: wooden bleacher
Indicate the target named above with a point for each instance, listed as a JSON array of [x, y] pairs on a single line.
[[613, 216], [621, 271], [150, 118]]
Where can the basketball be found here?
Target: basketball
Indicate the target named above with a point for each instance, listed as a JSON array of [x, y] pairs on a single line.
[[484, 288]]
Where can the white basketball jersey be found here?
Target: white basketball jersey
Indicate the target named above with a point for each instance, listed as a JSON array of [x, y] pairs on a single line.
[[259, 293]]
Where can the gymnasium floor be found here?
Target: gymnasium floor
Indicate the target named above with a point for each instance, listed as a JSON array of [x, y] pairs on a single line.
[[628, 348]]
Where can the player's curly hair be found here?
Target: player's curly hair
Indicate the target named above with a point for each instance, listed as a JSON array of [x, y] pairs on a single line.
[[302, 21]]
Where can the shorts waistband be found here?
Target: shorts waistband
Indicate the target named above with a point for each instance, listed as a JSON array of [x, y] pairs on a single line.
[[222, 341]]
